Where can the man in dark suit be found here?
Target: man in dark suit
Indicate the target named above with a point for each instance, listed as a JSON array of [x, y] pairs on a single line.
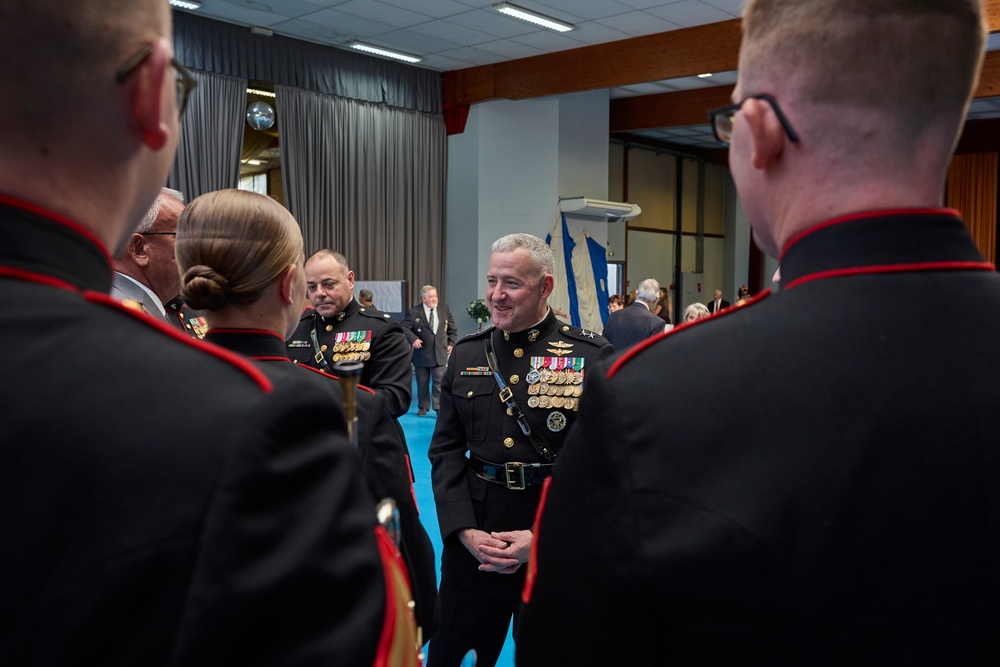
[[431, 330], [635, 323], [850, 516], [245, 538], [717, 303]]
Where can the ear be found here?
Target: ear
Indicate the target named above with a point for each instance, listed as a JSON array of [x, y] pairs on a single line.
[[350, 279], [146, 101], [548, 283], [136, 247], [285, 283], [766, 133]]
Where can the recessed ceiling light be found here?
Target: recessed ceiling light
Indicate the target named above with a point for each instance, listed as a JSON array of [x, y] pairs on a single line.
[[533, 17], [262, 93], [186, 4], [385, 53]]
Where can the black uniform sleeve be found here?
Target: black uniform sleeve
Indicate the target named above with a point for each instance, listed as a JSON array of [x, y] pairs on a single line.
[[288, 570], [588, 510], [447, 454], [391, 372], [388, 472]]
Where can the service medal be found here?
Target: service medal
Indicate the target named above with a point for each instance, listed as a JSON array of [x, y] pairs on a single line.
[[556, 421]]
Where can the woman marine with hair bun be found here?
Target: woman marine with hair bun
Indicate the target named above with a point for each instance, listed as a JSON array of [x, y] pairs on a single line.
[[240, 256]]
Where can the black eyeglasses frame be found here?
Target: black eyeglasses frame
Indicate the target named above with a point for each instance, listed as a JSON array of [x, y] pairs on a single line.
[[186, 82], [731, 109]]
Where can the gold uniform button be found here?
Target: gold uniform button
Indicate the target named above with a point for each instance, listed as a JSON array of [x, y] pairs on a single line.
[[510, 413], [514, 379], [329, 327], [323, 348], [508, 442], [470, 394], [565, 328], [518, 352]]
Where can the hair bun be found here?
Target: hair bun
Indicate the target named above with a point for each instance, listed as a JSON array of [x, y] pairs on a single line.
[[203, 288]]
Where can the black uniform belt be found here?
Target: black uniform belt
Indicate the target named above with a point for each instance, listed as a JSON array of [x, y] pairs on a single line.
[[513, 474]]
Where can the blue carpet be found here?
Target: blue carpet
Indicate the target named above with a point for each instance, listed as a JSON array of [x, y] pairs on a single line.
[[418, 432]]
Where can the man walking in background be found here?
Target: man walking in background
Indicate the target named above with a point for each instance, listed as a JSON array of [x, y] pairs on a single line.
[[635, 323], [432, 333]]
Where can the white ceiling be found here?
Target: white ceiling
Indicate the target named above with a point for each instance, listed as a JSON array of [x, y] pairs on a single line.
[[456, 34]]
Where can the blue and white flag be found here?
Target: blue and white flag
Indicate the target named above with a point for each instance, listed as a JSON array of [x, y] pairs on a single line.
[[563, 299]]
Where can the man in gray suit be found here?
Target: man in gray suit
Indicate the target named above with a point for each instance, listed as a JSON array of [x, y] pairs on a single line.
[[431, 330], [635, 323], [145, 267]]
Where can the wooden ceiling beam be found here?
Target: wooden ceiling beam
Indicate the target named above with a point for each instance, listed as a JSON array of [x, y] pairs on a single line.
[[669, 55]]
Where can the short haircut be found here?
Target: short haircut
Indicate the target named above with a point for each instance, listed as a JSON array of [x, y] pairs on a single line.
[[425, 289], [340, 259], [149, 219], [648, 290], [915, 61], [366, 294], [616, 298], [231, 245], [54, 54], [541, 253]]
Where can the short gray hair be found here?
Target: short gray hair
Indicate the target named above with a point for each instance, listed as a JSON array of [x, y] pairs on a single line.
[[150, 218], [648, 290], [427, 288], [699, 309], [541, 253]]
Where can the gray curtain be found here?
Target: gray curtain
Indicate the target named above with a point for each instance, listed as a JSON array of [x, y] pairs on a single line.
[[367, 180], [208, 156], [213, 46]]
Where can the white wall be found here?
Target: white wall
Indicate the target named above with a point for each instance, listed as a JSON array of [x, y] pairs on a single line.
[[506, 173]]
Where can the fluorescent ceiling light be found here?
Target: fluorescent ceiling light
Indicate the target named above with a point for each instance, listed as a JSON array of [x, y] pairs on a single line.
[[704, 76], [263, 93], [186, 4], [533, 17], [385, 53], [253, 162]]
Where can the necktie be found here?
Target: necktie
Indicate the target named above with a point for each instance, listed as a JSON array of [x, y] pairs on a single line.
[[434, 327]]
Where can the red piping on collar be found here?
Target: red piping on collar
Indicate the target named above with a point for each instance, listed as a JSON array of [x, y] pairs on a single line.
[[890, 268], [242, 364], [330, 376], [55, 217], [864, 215], [649, 342], [40, 278]]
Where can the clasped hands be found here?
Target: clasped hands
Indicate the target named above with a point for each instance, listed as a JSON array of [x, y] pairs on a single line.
[[501, 552]]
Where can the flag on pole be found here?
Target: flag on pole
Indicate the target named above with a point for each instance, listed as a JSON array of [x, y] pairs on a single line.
[[564, 294]]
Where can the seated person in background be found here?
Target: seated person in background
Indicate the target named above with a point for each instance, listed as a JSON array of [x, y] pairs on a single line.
[[365, 296], [252, 306], [695, 311], [615, 302]]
